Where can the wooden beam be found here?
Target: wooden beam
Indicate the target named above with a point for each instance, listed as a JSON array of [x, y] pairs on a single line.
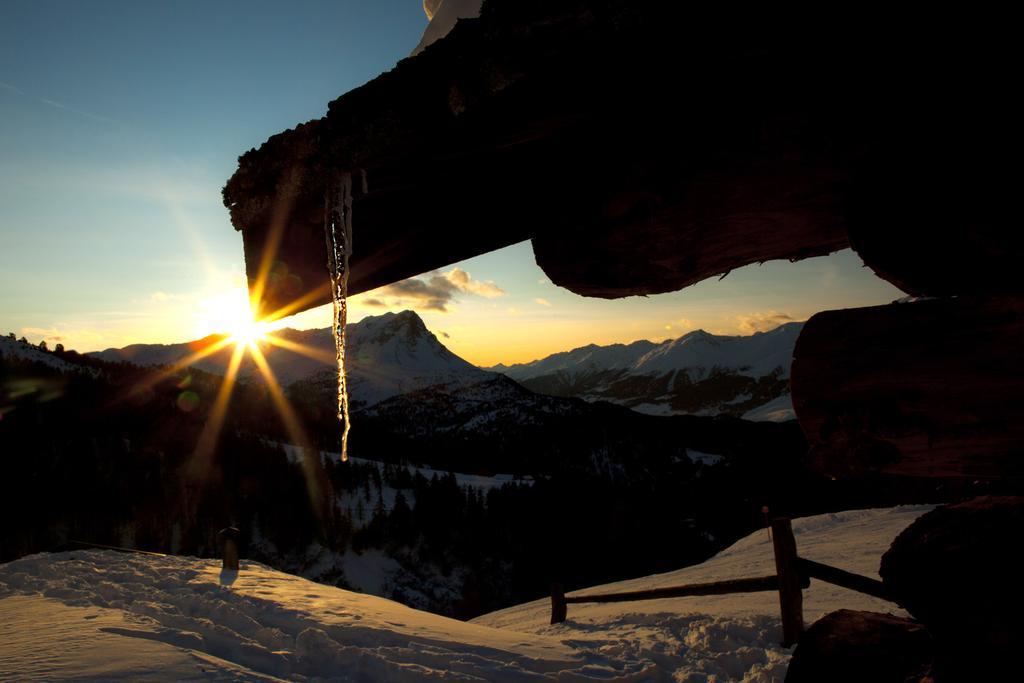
[[644, 146]]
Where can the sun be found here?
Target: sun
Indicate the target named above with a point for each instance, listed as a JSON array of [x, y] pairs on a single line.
[[229, 313], [251, 332]]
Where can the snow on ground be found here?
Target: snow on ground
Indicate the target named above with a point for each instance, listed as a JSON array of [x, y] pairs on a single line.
[[151, 612], [727, 637], [107, 615], [779, 409]]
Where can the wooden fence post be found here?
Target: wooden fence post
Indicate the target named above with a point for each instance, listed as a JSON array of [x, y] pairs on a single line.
[[230, 536], [559, 608], [791, 599]]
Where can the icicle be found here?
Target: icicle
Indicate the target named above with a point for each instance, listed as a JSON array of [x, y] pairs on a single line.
[[338, 232]]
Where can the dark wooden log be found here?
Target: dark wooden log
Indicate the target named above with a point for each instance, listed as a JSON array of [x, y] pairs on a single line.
[[643, 145], [791, 598], [841, 577], [927, 389]]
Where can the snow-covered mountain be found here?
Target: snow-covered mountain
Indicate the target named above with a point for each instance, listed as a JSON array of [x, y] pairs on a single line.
[[392, 354], [389, 354], [698, 374], [104, 615]]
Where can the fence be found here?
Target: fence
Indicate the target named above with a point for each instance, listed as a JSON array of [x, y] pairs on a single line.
[[792, 574]]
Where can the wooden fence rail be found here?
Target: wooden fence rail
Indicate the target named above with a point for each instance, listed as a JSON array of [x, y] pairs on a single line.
[[753, 585], [793, 574], [841, 577]]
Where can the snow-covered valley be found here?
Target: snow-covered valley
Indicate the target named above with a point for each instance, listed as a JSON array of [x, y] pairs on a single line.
[[102, 615]]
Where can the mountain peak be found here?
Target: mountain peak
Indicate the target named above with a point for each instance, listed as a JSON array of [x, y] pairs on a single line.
[[411, 322], [699, 333], [406, 326]]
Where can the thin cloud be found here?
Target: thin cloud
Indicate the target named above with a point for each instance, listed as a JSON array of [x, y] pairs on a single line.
[[432, 295], [434, 292], [464, 282], [762, 322], [541, 302], [57, 105], [73, 110], [51, 333], [682, 324]]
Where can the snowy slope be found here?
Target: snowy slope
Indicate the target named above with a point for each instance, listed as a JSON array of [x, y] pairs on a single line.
[[257, 622], [106, 615], [698, 374], [698, 352], [10, 348], [778, 409]]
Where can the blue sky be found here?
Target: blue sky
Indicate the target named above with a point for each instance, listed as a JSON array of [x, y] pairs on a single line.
[[120, 122]]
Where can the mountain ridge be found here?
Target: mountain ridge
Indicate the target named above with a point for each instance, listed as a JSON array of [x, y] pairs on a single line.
[[698, 373], [386, 355]]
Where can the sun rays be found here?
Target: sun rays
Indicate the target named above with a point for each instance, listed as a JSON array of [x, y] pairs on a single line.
[[244, 342], [246, 339]]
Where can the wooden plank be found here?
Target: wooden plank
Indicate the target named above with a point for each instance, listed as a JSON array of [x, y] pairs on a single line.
[[749, 585], [791, 599], [841, 577]]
